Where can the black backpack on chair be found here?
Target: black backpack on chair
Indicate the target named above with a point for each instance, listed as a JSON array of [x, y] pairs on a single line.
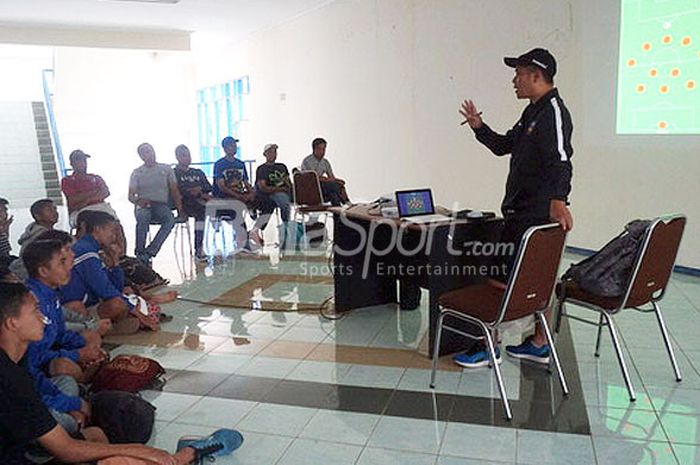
[[123, 416], [607, 272]]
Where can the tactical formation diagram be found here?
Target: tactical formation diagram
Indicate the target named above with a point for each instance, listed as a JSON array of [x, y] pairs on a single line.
[[659, 67]]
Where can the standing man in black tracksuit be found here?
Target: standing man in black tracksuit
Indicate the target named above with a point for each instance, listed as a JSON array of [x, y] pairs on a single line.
[[539, 180]]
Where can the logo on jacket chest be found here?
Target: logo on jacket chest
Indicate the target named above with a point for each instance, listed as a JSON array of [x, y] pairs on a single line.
[[531, 127]]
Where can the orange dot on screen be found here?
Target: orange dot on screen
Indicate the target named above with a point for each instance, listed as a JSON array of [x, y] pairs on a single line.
[[666, 39], [675, 72], [631, 62], [663, 89], [653, 72], [690, 84], [686, 40], [641, 88], [646, 46], [662, 124]]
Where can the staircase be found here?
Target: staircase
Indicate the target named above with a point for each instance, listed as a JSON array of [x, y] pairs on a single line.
[[52, 182]]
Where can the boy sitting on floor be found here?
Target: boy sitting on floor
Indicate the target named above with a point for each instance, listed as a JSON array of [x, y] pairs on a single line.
[[24, 420], [45, 217]]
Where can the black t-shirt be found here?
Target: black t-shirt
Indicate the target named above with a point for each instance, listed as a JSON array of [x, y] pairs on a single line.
[[23, 416], [189, 179], [275, 175]]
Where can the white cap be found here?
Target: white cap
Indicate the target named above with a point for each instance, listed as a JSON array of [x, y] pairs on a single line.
[[268, 147]]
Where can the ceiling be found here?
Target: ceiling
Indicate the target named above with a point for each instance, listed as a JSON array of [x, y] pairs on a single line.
[[234, 18]]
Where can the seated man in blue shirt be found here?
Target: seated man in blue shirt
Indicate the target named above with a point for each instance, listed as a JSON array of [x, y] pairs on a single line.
[[25, 420], [49, 264], [96, 284], [57, 354], [231, 182]]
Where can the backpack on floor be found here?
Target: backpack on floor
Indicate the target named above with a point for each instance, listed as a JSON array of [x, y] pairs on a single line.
[[140, 276], [123, 416], [129, 373], [607, 272]]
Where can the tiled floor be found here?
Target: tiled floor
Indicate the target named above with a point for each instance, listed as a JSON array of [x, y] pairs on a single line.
[[306, 390]]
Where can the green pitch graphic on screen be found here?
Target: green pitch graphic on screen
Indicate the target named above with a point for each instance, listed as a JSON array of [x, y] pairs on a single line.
[[659, 68]]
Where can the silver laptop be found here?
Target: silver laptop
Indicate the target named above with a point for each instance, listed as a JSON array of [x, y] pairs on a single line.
[[417, 206]]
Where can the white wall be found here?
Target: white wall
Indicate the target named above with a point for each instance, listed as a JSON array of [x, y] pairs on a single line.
[[22, 65], [109, 101], [383, 80]]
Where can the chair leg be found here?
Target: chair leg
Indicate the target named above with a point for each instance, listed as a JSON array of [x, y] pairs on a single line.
[[189, 237], [553, 349], [667, 341], [560, 312], [436, 349], [600, 331], [620, 357], [497, 371]]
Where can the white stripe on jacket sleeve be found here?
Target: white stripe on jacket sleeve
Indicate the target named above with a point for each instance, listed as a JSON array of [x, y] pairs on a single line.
[[560, 132]]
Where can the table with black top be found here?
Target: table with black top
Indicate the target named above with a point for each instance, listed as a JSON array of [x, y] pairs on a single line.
[[381, 260]]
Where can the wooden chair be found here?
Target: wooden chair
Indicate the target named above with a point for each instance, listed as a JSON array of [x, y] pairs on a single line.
[[647, 284], [528, 292]]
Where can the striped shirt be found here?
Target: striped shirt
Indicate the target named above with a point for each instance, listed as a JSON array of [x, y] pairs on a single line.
[[5, 247]]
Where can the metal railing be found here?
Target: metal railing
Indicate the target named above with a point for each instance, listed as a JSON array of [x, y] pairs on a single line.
[[53, 129]]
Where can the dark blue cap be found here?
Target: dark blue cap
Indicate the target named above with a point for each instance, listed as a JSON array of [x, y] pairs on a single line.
[[228, 140]]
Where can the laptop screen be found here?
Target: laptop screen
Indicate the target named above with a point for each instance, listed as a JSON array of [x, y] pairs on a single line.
[[415, 202]]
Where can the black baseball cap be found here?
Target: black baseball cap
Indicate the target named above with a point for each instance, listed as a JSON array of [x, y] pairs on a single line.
[[228, 140], [77, 154], [539, 57]]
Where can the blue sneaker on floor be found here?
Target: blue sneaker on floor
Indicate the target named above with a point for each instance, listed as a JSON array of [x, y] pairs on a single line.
[[528, 351], [476, 358], [221, 442]]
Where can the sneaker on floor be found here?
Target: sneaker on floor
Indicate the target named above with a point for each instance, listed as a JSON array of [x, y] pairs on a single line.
[[222, 442], [529, 351], [476, 358]]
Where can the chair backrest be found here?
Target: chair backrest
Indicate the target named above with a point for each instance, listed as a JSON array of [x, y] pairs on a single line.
[[531, 282], [655, 259], [307, 189]]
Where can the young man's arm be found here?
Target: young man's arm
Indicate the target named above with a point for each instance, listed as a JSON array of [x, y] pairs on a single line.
[[228, 191], [204, 182], [133, 193], [499, 144], [40, 355], [78, 200], [95, 278], [66, 339], [52, 397], [103, 189], [553, 135], [175, 192], [69, 450]]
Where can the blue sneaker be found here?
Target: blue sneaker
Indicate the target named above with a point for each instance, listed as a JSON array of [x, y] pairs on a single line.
[[528, 351], [221, 442], [476, 358]]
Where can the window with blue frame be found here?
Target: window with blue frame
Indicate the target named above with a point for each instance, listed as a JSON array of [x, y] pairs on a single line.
[[220, 112]]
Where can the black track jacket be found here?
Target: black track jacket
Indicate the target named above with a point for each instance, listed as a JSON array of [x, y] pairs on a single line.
[[540, 162]]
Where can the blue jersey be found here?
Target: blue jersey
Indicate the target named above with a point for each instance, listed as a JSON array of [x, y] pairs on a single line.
[[58, 342], [91, 282]]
